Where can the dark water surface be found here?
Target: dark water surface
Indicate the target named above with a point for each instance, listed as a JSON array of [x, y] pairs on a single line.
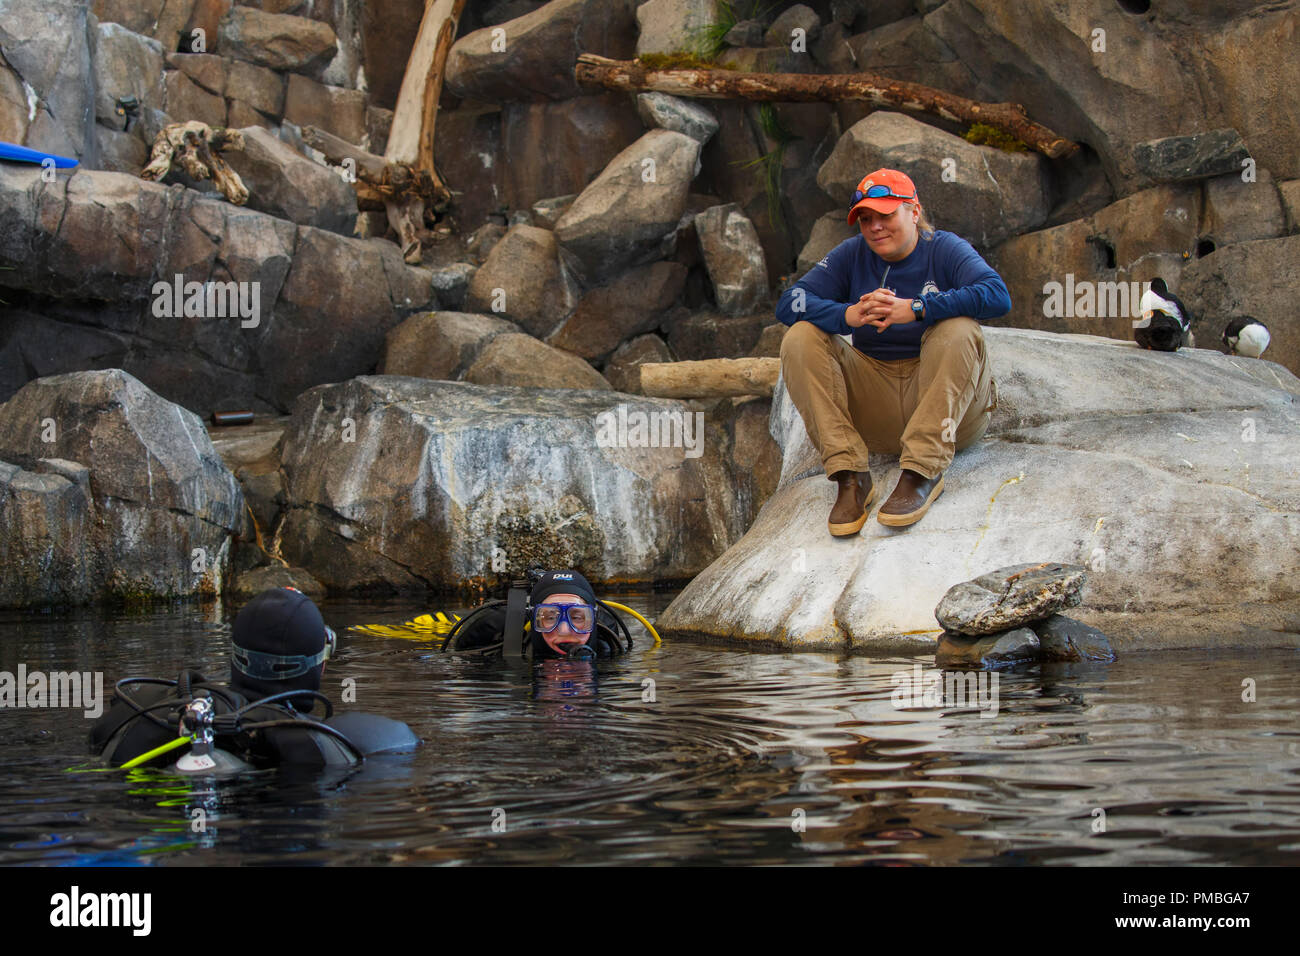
[[736, 755]]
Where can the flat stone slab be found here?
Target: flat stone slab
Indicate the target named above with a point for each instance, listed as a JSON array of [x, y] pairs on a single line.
[[1010, 597]]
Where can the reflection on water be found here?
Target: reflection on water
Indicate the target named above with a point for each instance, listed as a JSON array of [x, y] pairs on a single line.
[[680, 754]]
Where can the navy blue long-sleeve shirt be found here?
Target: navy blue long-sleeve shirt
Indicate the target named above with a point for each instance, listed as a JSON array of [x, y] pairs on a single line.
[[945, 272]]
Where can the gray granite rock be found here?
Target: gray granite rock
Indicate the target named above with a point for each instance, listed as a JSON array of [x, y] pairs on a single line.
[[674, 113], [141, 490], [1081, 422], [1065, 639], [1010, 597], [647, 184], [439, 345], [1176, 159], [734, 258], [475, 483]]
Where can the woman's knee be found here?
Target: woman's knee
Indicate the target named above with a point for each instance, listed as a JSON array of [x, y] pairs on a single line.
[[957, 328], [802, 336]]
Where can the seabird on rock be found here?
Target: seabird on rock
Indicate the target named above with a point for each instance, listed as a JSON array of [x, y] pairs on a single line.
[[1246, 336], [1166, 323]]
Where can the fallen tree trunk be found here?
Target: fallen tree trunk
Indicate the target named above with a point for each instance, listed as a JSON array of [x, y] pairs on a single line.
[[631, 76], [410, 141], [710, 378]]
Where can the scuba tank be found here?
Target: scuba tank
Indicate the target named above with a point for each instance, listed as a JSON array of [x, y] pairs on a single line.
[[225, 732], [204, 756]]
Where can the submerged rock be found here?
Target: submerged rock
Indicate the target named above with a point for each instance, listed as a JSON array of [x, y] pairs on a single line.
[[138, 489], [1010, 597], [1174, 478], [991, 651], [1064, 639]]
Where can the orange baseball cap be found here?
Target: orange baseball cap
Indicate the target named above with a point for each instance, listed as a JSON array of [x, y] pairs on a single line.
[[884, 191]]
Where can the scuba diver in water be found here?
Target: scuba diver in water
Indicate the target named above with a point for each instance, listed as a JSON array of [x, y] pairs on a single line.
[[263, 718], [558, 617]]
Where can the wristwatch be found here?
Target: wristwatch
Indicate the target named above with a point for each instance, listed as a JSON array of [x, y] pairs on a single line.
[[918, 309]]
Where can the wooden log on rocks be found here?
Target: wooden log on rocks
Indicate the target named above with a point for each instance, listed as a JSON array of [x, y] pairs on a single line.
[[710, 378], [195, 148], [631, 75]]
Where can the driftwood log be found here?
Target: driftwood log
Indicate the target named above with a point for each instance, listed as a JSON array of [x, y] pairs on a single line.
[[631, 75], [410, 141], [195, 148], [710, 378], [379, 183]]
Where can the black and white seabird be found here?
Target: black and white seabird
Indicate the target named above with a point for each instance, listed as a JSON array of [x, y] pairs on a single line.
[[1166, 323], [1246, 336]]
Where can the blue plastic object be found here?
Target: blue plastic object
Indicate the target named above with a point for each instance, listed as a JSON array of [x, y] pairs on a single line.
[[24, 155]]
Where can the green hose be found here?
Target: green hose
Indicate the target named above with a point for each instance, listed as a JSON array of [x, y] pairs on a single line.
[[150, 754]]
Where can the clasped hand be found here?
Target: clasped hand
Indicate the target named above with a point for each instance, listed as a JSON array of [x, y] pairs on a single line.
[[880, 309]]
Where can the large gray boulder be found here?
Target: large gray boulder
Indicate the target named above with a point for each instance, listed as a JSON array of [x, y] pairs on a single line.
[[475, 483], [277, 41], [533, 56], [733, 257], [439, 345], [283, 182], [98, 254], [157, 506], [611, 314], [1171, 477], [985, 195], [522, 280], [628, 215], [523, 362], [48, 48]]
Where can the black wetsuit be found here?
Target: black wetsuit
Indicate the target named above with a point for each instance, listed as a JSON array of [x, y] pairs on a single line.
[[122, 734]]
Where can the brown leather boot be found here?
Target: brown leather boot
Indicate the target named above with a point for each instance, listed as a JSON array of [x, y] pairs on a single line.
[[910, 500], [849, 513]]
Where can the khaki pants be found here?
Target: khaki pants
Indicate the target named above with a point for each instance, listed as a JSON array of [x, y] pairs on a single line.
[[922, 409]]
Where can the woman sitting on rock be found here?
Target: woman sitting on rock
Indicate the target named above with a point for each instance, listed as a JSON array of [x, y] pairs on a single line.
[[916, 380]]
